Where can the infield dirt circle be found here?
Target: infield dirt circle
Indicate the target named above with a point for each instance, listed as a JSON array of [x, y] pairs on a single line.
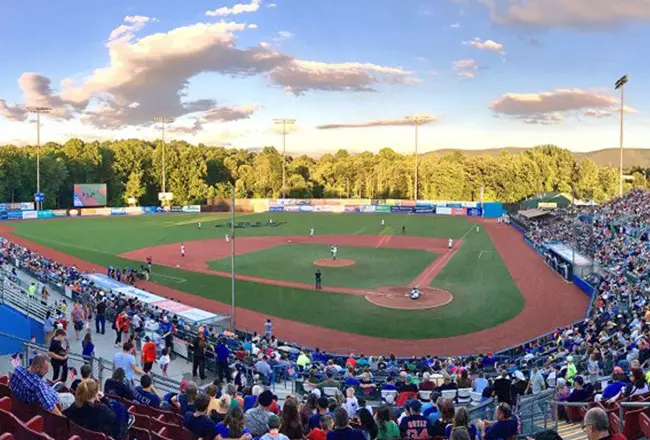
[[340, 262], [398, 297]]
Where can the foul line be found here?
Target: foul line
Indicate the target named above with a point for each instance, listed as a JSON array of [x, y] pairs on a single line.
[[180, 280]]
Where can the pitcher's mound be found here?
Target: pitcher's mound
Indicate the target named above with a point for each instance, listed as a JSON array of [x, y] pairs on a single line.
[[398, 297], [339, 262]]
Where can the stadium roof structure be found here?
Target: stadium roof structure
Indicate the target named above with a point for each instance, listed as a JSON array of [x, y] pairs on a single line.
[[548, 200], [533, 213]]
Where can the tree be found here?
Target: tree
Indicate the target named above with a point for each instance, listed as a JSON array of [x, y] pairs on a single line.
[[134, 188]]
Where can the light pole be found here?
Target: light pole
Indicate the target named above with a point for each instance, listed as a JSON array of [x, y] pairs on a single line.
[[163, 120], [284, 123], [417, 120], [38, 111], [620, 84]]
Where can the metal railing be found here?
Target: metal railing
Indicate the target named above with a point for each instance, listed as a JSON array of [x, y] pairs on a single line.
[[14, 295], [535, 412]]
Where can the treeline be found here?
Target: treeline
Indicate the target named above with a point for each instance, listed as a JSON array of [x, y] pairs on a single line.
[[197, 173]]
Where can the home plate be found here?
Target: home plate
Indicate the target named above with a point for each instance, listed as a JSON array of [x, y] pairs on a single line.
[[178, 265], [288, 241]]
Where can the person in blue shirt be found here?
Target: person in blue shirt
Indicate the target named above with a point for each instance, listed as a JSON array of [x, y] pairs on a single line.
[[233, 426], [87, 346], [504, 427], [28, 386], [342, 429], [222, 353], [614, 388], [321, 410], [198, 422], [146, 394]]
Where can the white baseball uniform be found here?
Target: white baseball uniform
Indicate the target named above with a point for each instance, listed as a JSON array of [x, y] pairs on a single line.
[[311, 232], [182, 250], [451, 243]]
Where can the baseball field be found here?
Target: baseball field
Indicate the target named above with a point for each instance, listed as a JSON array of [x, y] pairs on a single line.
[[487, 292]]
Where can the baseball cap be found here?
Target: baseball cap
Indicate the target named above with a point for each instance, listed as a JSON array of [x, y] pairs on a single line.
[[414, 405], [274, 420]]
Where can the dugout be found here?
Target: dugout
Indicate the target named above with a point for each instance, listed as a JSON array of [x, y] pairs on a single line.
[[559, 255]]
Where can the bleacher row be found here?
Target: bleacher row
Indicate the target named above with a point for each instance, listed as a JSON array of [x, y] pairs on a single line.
[[31, 422]]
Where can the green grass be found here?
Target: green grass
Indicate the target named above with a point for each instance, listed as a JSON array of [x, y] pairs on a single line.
[[375, 267], [484, 293]]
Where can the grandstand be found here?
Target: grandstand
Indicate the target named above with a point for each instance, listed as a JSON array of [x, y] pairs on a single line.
[[550, 382]]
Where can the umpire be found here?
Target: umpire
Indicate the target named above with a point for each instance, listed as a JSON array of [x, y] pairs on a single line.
[[317, 279]]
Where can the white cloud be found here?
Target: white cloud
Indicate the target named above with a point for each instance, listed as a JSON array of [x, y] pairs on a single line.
[[148, 76], [239, 8], [252, 26], [582, 14], [490, 45], [12, 112], [427, 119], [454, 25], [135, 23], [136, 19], [271, 5], [216, 115], [283, 35], [466, 69], [549, 107]]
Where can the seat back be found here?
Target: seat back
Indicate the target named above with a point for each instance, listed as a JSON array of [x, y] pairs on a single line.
[[330, 391], [32, 430], [449, 394], [5, 403], [388, 396], [22, 410], [475, 397], [141, 421], [86, 434], [613, 423], [5, 391], [6, 436], [4, 380], [136, 433], [160, 435], [55, 425], [425, 395], [644, 424], [177, 432]]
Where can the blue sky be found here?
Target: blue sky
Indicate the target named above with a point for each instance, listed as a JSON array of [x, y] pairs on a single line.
[[485, 73]]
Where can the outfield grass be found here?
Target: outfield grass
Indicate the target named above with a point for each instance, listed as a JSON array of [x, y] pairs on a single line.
[[375, 267], [484, 293]]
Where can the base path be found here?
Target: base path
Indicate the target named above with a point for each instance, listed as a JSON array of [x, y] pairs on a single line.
[[549, 303], [199, 253]]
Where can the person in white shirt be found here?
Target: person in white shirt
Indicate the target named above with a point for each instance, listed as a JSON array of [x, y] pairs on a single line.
[[199, 224], [382, 222], [451, 243], [227, 238], [182, 250], [311, 232], [334, 250]]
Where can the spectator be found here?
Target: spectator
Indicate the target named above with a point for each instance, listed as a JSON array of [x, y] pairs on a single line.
[[199, 423], [121, 326], [86, 372], [581, 392], [290, 420], [59, 356], [325, 426], [504, 427], [117, 386], [638, 385], [445, 417], [480, 383], [222, 353], [596, 426], [185, 400], [233, 425], [91, 413], [28, 386], [415, 425], [78, 317], [100, 317], [342, 429], [274, 429], [461, 420], [126, 361], [264, 369], [321, 410], [257, 419], [502, 388], [367, 424], [146, 394], [464, 380], [48, 327], [329, 382], [221, 410], [87, 347], [351, 404], [386, 428], [199, 345], [149, 355], [460, 434]]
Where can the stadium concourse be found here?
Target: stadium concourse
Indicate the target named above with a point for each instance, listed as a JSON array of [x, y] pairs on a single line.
[[357, 396]]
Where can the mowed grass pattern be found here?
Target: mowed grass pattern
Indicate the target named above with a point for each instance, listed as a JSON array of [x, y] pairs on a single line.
[[484, 293], [375, 267]]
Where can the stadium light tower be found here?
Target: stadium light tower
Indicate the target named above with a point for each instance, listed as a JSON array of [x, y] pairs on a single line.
[[416, 121], [38, 111], [620, 84], [163, 120], [284, 123]]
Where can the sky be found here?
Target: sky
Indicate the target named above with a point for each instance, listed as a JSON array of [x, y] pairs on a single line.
[[473, 73]]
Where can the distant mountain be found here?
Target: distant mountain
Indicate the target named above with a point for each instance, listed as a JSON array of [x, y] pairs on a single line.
[[607, 157]]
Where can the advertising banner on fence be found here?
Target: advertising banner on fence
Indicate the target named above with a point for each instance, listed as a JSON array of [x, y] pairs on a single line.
[[103, 211], [423, 210], [291, 208], [197, 315], [27, 206], [133, 210], [337, 208], [368, 208], [145, 297], [192, 208], [150, 209], [88, 211], [443, 210], [458, 211], [322, 208], [176, 209], [4, 215], [402, 209], [424, 203], [60, 213], [118, 211], [73, 212], [45, 214], [474, 212], [306, 208], [14, 215], [13, 206], [351, 208], [276, 208], [382, 208], [104, 282], [3, 207], [469, 204]]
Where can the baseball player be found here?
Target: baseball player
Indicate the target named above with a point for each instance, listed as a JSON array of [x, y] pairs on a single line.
[[415, 293], [199, 224], [182, 249], [382, 223], [311, 232], [227, 238], [317, 279], [334, 250], [270, 222], [477, 229], [451, 243]]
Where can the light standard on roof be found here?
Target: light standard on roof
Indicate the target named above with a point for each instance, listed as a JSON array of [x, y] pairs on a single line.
[[284, 123], [38, 111], [416, 121], [163, 120], [620, 84]]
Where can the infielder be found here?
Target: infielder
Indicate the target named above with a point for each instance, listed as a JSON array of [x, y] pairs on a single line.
[[182, 250], [270, 222], [451, 243], [382, 223], [311, 232], [227, 238], [199, 224], [477, 229], [334, 250]]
